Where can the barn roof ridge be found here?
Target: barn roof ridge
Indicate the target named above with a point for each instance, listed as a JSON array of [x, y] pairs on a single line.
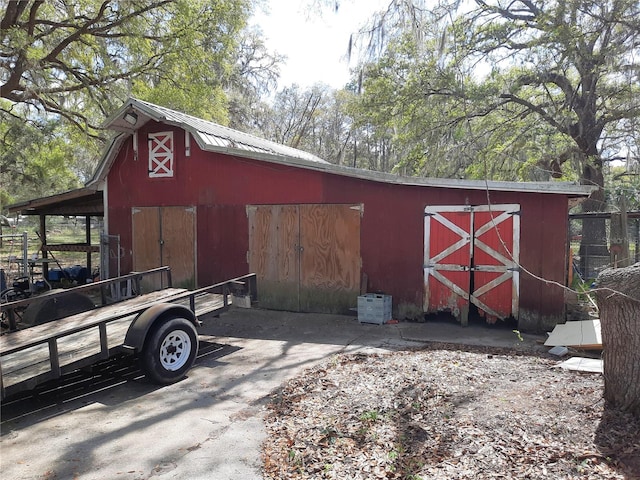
[[211, 136]]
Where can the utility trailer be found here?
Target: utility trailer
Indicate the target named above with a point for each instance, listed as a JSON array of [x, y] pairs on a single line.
[[139, 314]]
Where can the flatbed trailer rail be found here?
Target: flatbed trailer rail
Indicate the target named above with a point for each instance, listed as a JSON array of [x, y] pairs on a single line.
[[44, 352]]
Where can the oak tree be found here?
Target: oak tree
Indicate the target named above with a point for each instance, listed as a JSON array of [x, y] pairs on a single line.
[[73, 62], [561, 74]]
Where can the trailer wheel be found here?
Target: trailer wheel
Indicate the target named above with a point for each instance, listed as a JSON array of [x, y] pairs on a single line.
[[170, 351]]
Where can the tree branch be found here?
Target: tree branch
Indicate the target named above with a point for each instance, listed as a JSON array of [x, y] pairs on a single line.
[[560, 81], [536, 109], [12, 13], [510, 14]]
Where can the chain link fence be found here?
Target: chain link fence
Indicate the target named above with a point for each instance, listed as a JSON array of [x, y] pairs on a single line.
[[588, 260]]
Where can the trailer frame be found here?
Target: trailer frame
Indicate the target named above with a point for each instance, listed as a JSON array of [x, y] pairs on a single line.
[[136, 317]]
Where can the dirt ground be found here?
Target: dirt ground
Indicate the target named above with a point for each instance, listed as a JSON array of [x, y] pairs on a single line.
[[285, 395], [447, 412]]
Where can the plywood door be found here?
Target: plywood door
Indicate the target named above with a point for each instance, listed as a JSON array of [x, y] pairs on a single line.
[[329, 257], [306, 257], [165, 236], [274, 241], [145, 245], [178, 244]]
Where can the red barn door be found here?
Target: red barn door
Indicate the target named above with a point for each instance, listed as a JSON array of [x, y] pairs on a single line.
[[496, 251], [447, 253], [471, 257]]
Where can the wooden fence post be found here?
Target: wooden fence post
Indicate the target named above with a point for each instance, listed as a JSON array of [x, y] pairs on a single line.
[[619, 234]]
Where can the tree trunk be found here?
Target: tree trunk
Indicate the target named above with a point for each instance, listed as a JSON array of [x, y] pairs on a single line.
[[618, 297], [594, 254]]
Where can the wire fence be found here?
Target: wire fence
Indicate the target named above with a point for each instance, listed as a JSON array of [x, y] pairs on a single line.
[[588, 260]]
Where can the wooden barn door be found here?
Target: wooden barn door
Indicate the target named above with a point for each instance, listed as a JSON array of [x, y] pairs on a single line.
[[274, 232], [447, 254], [471, 257], [329, 257], [496, 252], [166, 236], [307, 257]]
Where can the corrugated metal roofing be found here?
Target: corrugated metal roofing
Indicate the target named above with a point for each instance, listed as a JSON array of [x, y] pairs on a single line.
[[213, 137]]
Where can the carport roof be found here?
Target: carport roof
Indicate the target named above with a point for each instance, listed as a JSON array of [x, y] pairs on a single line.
[[83, 201]]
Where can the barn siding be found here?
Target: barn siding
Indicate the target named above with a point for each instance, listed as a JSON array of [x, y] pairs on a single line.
[[391, 228]]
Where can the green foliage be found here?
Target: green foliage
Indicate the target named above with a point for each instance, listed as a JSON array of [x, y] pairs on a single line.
[[370, 416], [33, 160], [517, 91], [68, 65], [99, 52], [623, 181], [192, 74]]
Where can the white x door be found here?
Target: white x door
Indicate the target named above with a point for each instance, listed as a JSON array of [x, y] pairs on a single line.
[[471, 257]]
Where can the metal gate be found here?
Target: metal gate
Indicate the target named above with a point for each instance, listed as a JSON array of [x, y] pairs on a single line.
[[471, 258]]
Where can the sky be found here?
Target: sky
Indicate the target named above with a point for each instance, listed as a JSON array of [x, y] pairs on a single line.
[[315, 46]]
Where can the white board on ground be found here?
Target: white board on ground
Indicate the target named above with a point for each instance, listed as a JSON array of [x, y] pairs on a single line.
[[580, 364], [584, 334]]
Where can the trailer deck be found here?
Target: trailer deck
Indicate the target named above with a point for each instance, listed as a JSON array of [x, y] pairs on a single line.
[[43, 352]]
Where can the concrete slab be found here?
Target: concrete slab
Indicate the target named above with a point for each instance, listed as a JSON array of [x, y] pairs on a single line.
[[111, 423]]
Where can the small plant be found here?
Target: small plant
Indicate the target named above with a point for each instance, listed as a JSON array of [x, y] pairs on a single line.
[[519, 335], [329, 435], [370, 416], [296, 460]]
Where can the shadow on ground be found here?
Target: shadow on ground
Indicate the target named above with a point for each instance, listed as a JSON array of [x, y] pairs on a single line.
[[618, 437], [78, 389]]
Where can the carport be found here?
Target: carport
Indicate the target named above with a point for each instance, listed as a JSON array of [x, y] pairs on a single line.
[[83, 202]]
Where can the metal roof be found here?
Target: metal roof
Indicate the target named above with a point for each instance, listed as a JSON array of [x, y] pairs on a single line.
[[209, 135], [213, 137], [83, 201]]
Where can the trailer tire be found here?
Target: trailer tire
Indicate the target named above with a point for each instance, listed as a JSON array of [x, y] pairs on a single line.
[[170, 351]]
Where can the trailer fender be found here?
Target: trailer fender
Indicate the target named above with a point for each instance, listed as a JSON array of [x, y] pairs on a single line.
[[144, 322]]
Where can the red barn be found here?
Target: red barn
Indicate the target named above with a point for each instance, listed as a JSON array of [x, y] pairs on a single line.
[[215, 203]]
